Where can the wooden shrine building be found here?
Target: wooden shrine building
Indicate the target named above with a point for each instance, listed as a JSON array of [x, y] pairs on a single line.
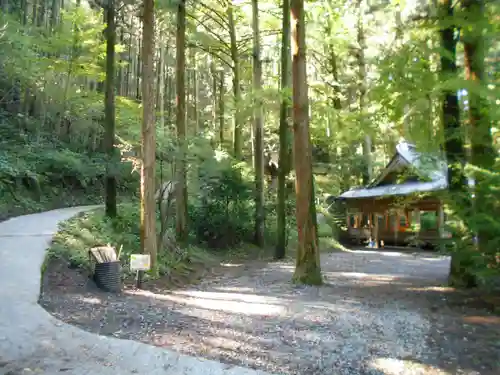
[[401, 206]]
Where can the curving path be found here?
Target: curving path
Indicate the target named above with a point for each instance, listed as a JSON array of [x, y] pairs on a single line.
[[34, 342]]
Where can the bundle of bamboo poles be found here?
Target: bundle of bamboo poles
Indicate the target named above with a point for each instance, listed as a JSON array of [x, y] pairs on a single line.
[[105, 254]]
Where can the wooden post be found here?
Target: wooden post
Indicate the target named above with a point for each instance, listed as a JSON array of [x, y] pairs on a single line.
[[375, 230], [360, 222], [416, 217], [396, 226], [371, 227], [441, 221]]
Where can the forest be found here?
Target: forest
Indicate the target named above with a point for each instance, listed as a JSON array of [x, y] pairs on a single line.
[[218, 123]]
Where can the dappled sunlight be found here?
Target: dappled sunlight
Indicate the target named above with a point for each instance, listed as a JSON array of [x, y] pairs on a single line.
[[485, 319], [227, 343], [368, 279], [252, 298], [235, 289], [441, 289], [231, 264], [435, 259], [347, 305], [72, 241], [247, 304], [393, 366], [90, 300], [377, 252], [416, 254], [284, 267], [362, 275], [331, 244]]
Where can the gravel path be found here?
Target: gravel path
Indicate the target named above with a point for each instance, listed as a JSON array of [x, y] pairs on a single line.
[[34, 342], [378, 313]]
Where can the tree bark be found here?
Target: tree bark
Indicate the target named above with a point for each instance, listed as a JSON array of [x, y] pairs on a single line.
[[307, 269], [139, 62], [367, 142], [109, 110], [193, 89], [284, 133], [454, 143], [181, 187], [453, 138], [148, 149], [54, 17], [483, 152], [237, 142], [161, 79], [258, 129], [221, 109], [213, 75]]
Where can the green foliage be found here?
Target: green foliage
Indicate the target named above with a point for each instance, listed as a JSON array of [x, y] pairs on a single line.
[[222, 216], [90, 229], [475, 229], [37, 172], [52, 124]]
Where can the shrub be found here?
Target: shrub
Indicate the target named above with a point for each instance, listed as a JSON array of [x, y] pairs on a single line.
[[90, 229], [222, 216]]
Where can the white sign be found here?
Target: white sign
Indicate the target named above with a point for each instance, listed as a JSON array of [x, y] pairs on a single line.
[[140, 262]]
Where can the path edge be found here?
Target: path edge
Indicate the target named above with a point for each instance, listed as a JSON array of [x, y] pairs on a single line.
[[43, 267]]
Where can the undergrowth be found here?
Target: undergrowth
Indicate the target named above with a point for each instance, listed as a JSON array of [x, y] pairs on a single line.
[[39, 172], [79, 234]]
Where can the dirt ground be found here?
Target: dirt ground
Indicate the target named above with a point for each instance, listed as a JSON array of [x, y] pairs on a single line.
[[378, 313]]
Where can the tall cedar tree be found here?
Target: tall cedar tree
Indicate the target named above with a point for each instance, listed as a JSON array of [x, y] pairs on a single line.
[[258, 129], [181, 187], [284, 133], [307, 269], [453, 137], [148, 145], [235, 58], [482, 150], [109, 109]]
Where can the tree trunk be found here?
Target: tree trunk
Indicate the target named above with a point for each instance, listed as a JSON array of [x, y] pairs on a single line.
[[138, 72], [453, 139], [128, 73], [120, 74], [196, 115], [148, 149], [181, 187], [343, 152], [41, 13], [237, 141], [161, 79], [307, 269], [284, 133], [54, 17], [367, 143], [483, 153], [258, 129], [213, 76], [221, 109], [191, 98], [109, 110], [25, 12], [5, 6], [34, 12]]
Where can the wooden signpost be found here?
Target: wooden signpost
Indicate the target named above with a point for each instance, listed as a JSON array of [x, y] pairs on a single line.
[[140, 263]]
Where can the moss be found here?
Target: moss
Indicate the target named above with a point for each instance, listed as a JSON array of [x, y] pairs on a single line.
[[92, 228], [308, 277], [308, 270], [43, 270]]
